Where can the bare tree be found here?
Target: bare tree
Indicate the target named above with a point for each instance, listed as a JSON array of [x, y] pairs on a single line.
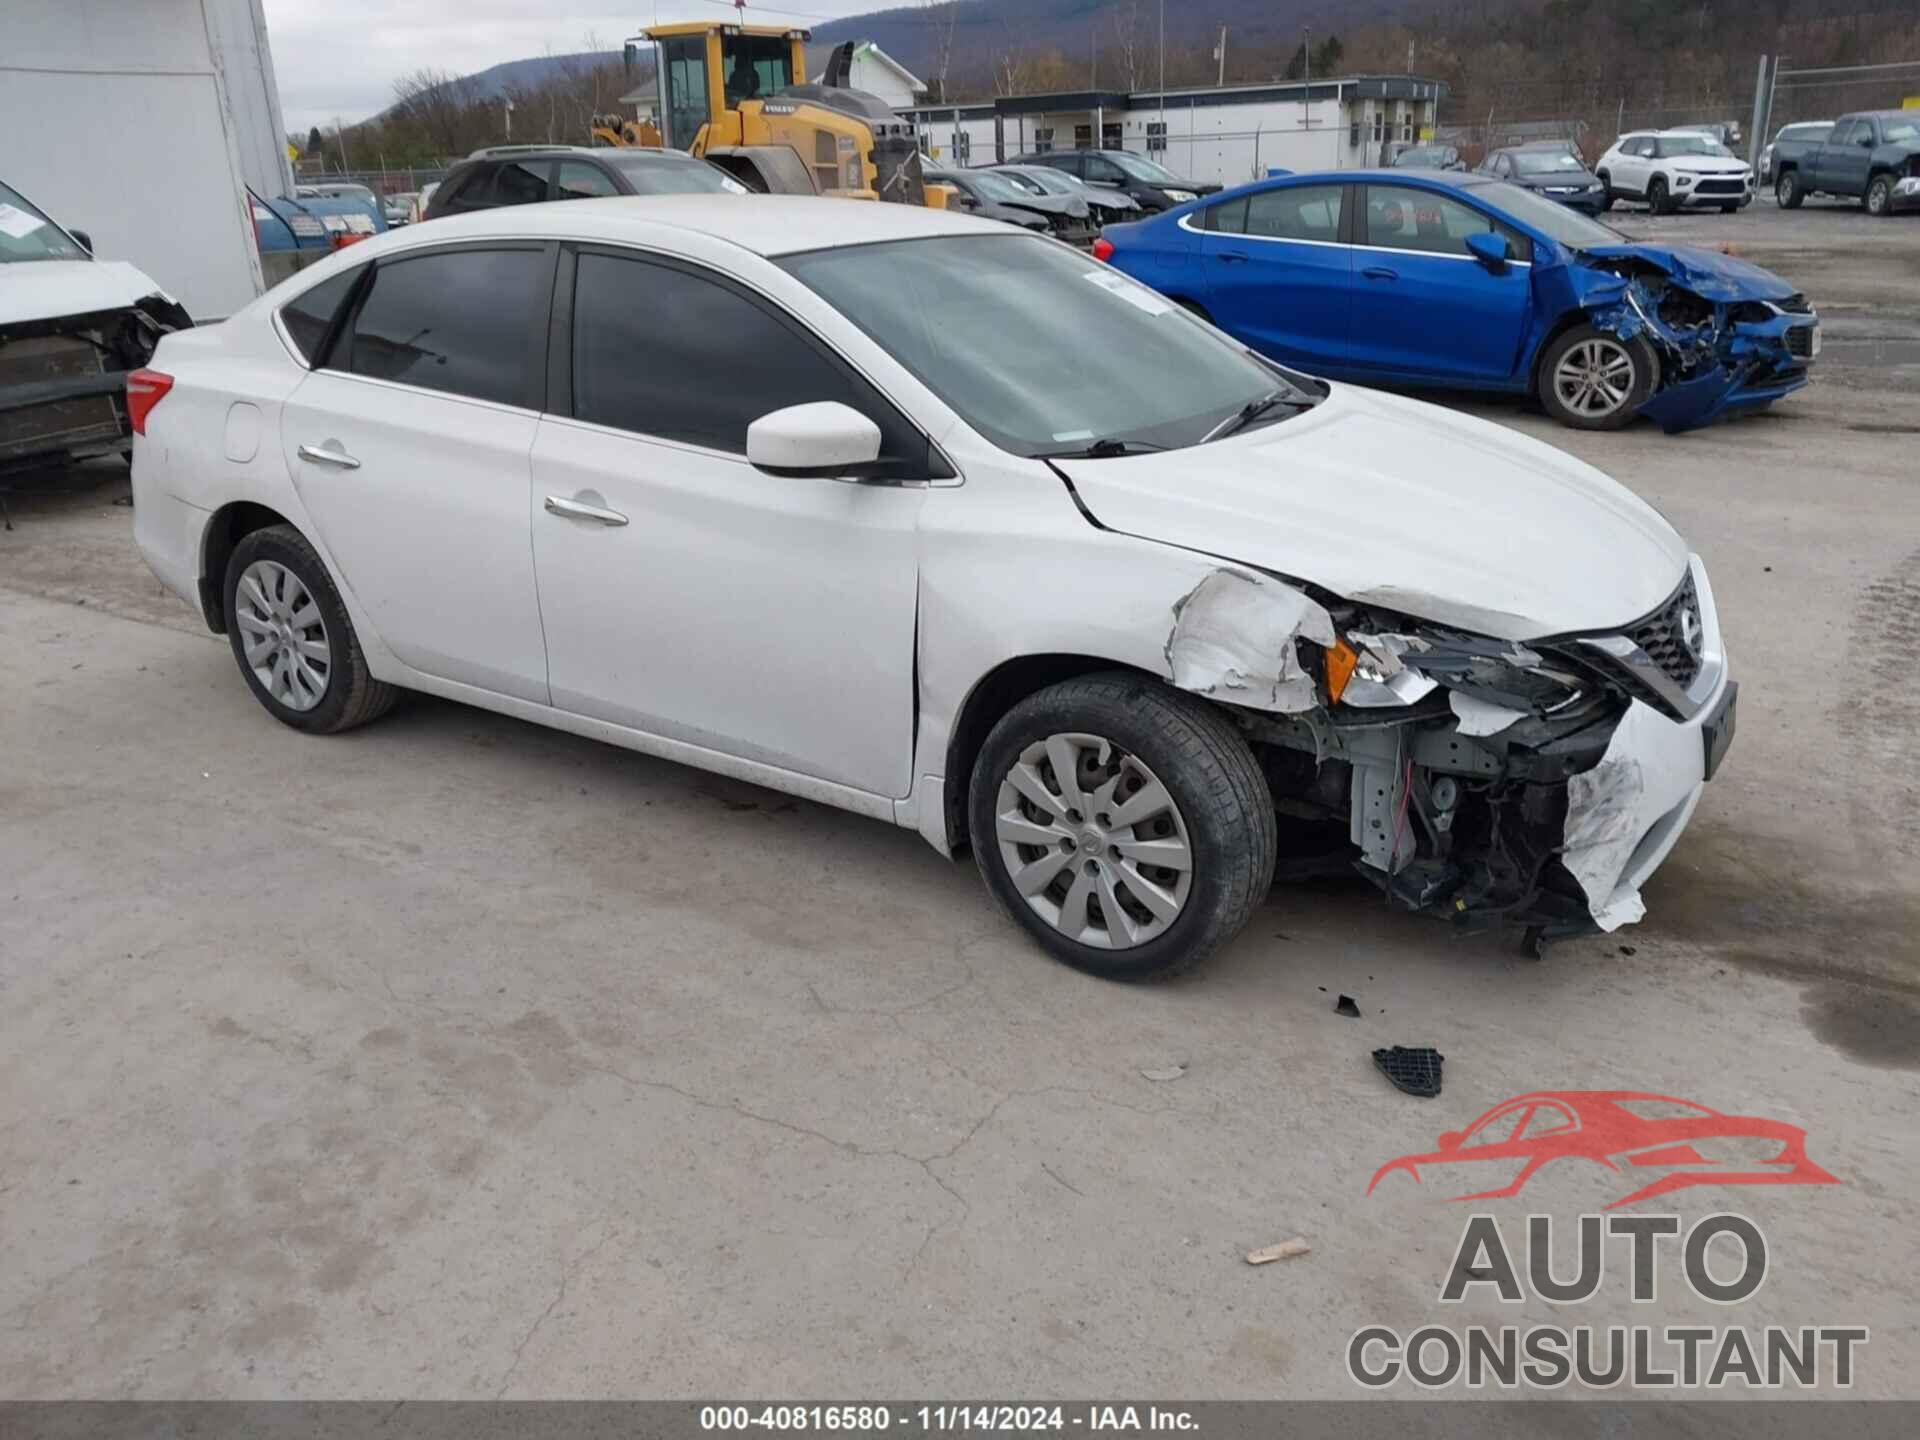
[[943, 25], [1125, 19]]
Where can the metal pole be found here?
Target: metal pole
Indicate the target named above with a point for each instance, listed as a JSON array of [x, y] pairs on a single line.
[[1222, 74], [1163, 67], [1306, 95], [1760, 118]]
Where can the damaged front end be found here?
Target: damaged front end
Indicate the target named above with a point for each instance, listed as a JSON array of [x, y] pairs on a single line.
[[63, 379], [1487, 781], [1727, 335]]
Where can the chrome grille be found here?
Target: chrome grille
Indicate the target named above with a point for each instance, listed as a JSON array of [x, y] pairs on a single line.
[[1663, 636]]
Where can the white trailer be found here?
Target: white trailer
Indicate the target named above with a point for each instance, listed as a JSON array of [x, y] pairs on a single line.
[[143, 122]]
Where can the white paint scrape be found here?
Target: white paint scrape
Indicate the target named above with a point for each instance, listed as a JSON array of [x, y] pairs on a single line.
[[1481, 717], [1233, 640], [1611, 808]]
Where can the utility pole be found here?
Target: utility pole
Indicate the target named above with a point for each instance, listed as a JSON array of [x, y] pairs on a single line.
[[1163, 68], [1220, 54], [340, 135], [1409, 56], [507, 104], [1306, 94]]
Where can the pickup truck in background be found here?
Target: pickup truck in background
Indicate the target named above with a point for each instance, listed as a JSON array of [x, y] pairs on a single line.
[[1872, 156], [1793, 142]]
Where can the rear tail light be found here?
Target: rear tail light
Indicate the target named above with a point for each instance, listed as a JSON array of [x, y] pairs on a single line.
[[1103, 249], [145, 389], [343, 238]]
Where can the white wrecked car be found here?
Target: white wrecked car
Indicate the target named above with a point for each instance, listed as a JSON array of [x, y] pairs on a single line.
[[945, 524], [71, 327]]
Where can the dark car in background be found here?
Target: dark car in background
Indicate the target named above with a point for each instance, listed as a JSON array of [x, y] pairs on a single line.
[[527, 174], [1153, 186], [1549, 168], [995, 197], [1104, 206], [1429, 157], [1872, 156], [1792, 142]]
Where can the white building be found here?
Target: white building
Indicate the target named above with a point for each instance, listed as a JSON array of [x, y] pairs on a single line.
[[142, 122], [1228, 134], [874, 71]]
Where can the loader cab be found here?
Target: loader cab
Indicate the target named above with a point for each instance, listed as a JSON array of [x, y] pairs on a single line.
[[707, 70]]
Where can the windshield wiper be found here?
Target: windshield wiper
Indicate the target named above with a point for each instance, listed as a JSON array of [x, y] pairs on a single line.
[[1106, 448], [1248, 413]]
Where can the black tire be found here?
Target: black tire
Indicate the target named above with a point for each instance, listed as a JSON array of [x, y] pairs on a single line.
[[1646, 371], [1787, 193], [351, 695], [1192, 308], [1729, 209], [1606, 193], [1879, 197], [1207, 768], [1659, 201]]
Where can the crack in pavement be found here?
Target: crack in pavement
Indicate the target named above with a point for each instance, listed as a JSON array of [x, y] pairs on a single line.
[[567, 1273]]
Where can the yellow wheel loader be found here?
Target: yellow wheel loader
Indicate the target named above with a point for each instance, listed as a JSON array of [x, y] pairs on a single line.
[[616, 132], [737, 95]]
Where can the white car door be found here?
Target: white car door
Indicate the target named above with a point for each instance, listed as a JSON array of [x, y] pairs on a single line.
[[410, 451], [1631, 166], [686, 593]]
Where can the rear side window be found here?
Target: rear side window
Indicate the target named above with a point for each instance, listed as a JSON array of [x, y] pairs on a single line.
[[581, 181], [1299, 212], [517, 182], [469, 322], [1230, 218], [309, 317], [666, 353]]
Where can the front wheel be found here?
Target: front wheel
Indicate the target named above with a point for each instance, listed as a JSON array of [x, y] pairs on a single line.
[[1124, 824], [1593, 380], [1880, 196], [292, 638], [1787, 192], [1657, 199], [1606, 193]]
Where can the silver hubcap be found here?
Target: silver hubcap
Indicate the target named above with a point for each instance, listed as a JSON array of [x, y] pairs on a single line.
[[1093, 841], [1594, 378], [282, 635]]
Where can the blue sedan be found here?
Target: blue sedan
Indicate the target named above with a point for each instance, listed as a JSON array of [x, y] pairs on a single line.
[[1415, 278]]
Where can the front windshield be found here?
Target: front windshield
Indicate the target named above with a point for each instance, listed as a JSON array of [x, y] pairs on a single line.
[[1545, 162], [1421, 156], [1901, 131], [1041, 350], [1549, 217], [1141, 169], [1691, 145], [27, 234]]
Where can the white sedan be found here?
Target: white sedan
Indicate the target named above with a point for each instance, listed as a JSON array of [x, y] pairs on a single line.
[[947, 525]]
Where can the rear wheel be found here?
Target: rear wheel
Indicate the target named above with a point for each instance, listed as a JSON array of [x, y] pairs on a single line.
[[292, 638], [1123, 824], [1787, 192], [1593, 380], [1879, 201]]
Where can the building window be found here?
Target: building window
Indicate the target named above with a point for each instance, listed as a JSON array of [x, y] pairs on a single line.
[[1110, 136], [1353, 133], [1042, 140], [962, 146], [1406, 129], [1379, 127], [1156, 135], [1083, 137]]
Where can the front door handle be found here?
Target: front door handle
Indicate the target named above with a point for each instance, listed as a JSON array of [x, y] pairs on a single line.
[[581, 510], [329, 453], [1380, 272], [1233, 257]]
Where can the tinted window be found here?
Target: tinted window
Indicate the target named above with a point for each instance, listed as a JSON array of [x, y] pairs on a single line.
[[1405, 219], [1230, 218], [464, 190], [662, 352], [308, 317], [515, 182], [666, 175], [581, 181], [463, 321], [1101, 168], [1852, 134], [1299, 212]]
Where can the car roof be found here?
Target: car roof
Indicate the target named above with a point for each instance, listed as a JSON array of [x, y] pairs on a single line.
[[763, 224]]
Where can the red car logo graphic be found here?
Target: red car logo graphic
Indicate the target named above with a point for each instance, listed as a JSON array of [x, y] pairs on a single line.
[[1616, 1128]]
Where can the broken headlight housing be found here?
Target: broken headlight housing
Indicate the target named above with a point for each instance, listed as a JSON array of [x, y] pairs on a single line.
[[1373, 668]]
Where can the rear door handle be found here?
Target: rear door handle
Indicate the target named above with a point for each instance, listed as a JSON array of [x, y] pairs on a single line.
[[581, 510], [329, 453], [1380, 272], [1233, 257]]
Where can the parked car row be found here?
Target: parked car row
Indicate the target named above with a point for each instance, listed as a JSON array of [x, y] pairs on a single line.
[[798, 546]]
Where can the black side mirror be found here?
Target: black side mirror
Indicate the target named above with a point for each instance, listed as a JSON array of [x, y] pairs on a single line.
[[86, 240], [1865, 142]]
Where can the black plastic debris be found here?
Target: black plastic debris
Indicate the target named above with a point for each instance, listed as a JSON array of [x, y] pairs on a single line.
[[1345, 1006], [1416, 1071]]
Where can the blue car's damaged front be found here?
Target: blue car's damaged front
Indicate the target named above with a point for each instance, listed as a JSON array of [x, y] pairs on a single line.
[[1729, 335], [1411, 278]]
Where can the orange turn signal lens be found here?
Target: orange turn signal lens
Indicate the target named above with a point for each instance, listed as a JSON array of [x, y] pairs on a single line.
[[1341, 660]]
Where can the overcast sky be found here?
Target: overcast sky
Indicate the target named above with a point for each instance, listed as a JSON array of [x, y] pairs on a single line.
[[341, 57]]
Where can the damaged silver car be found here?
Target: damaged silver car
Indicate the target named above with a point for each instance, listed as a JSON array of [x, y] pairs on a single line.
[[71, 328], [982, 538]]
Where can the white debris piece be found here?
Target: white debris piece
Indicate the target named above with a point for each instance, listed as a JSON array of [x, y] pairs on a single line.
[[1481, 717], [1233, 640], [1402, 688]]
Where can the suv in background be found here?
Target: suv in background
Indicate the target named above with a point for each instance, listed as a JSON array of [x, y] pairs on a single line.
[[526, 174], [1672, 170], [1135, 176]]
